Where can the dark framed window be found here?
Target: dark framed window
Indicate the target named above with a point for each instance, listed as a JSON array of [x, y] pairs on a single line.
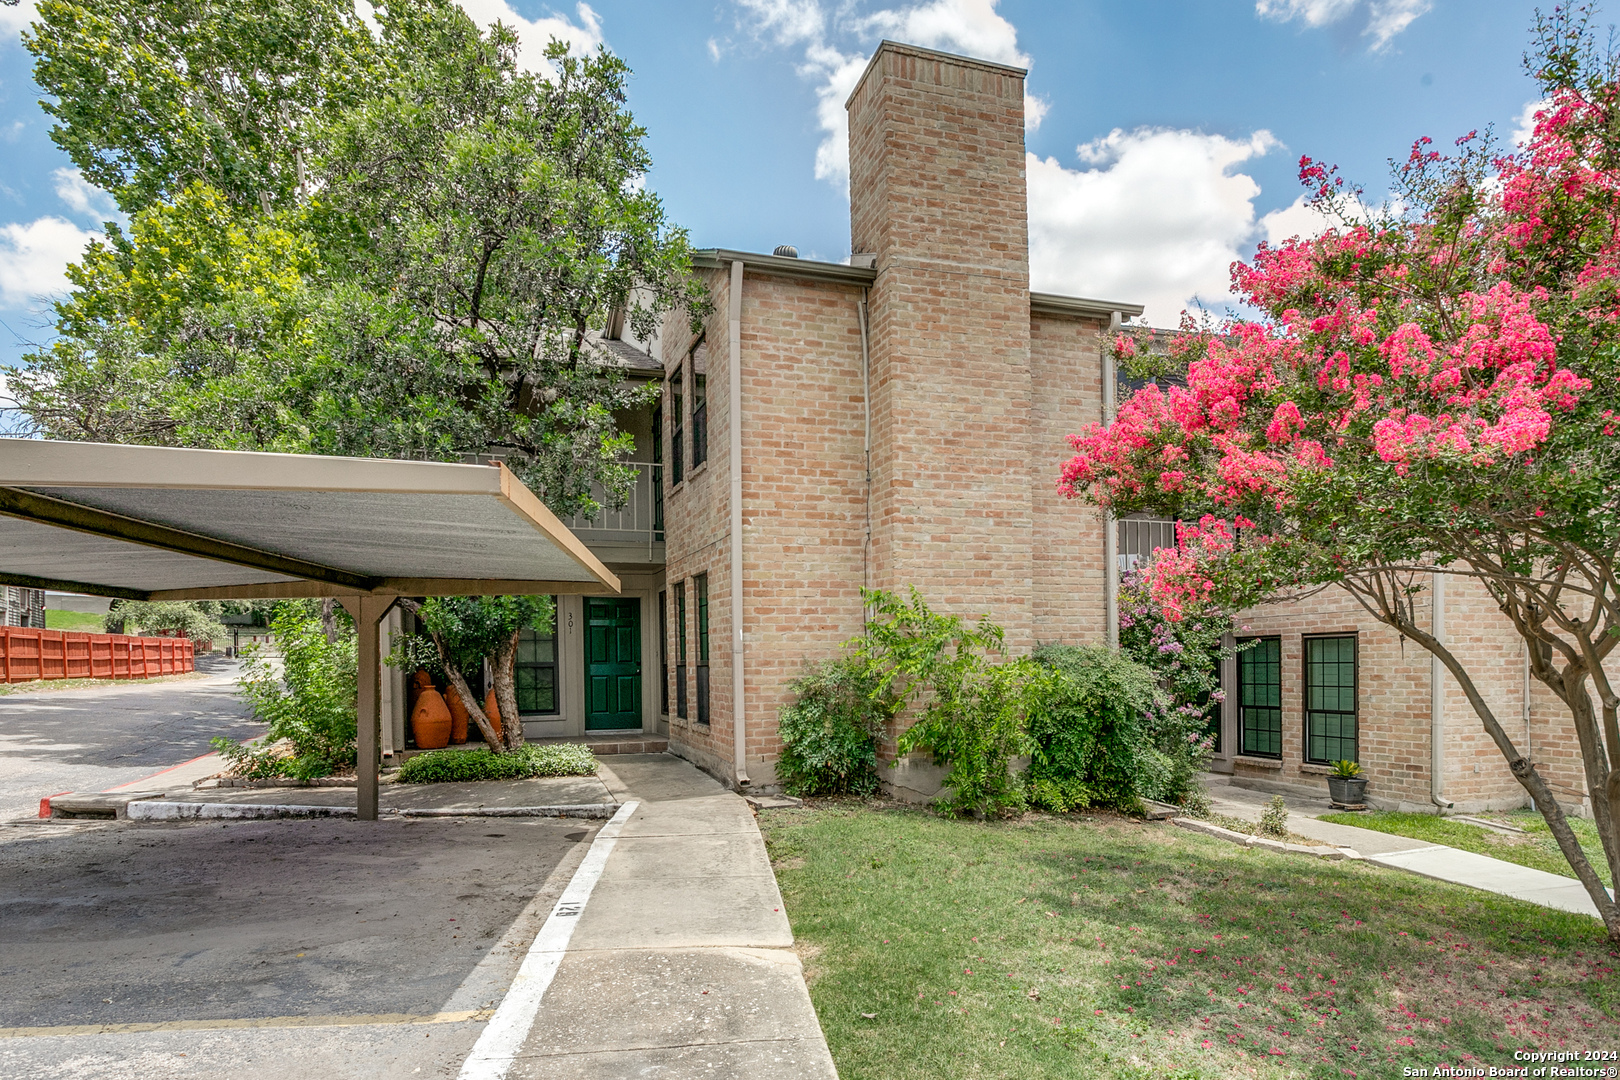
[[1330, 699], [700, 420], [700, 589], [677, 425], [536, 670], [680, 649], [658, 468], [1259, 692], [663, 652]]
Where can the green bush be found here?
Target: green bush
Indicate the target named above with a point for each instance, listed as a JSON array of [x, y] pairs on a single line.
[[310, 702], [829, 733], [555, 759], [1086, 720], [972, 718]]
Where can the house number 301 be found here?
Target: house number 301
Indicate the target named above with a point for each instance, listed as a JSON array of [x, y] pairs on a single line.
[[570, 622]]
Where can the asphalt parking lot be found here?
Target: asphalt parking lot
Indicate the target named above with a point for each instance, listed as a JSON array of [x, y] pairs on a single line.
[[208, 949]]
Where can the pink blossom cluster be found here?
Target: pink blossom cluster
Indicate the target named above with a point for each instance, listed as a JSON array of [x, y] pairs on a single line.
[[1387, 345]]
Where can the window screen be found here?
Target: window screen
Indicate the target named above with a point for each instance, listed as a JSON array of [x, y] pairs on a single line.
[[536, 669], [1330, 699], [1260, 698]]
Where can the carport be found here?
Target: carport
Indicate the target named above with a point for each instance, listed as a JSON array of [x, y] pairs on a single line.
[[162, 523]]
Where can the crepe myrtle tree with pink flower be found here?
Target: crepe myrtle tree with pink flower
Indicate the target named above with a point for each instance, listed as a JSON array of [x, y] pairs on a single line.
[[1433, 387]]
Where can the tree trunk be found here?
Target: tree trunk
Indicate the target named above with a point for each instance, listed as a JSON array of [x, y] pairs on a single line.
[[1523, 770], [329, 619], [502, 667]]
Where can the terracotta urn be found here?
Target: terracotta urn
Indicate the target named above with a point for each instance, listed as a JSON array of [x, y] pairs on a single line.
[[493, 711], [458, 716], [430, 721]]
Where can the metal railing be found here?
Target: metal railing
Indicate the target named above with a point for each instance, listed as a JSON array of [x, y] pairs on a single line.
[[1140, 537], [639, 519]]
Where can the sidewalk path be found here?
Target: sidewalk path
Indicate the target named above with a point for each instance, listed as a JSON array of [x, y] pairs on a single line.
[[1403, 853], [682, 963]]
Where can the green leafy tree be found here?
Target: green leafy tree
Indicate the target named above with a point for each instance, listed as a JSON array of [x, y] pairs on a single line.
[[153, 97], [381, 245], [467, 630], [195, 619], [307, 698]]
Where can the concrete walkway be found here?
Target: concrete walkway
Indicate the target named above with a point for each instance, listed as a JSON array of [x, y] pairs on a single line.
[[682, 964], [1435, 861]]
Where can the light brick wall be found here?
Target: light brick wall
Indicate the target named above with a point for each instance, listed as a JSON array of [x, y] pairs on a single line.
[[1067, 558], [937, 191], [1394, 703], [971, 403]]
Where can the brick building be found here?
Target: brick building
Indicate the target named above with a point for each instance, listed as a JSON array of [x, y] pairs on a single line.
[[900, 419]]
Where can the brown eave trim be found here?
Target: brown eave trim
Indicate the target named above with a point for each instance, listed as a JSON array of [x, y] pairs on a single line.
[[812, 269], [1079, 306]]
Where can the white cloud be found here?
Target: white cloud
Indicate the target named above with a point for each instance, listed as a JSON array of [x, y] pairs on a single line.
[[83, 197], [14, 20], [969, 27], [534, 35], [1381, 20], [1299, 218], [1158, 218], [1524, 125], [33, 258]]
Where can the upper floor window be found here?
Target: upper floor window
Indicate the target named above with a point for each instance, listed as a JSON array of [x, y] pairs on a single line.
[[700, 420], [677, 422]]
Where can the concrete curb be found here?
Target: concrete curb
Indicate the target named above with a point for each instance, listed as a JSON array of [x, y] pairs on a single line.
[[164, 810], [1234, 837]]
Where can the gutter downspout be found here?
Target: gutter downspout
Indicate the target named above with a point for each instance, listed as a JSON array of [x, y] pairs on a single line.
[[866, 448], [1110, 529], [739, 725], [1437, 698]]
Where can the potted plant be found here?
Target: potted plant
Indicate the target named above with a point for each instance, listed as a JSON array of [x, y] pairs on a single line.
[[1346, 785]]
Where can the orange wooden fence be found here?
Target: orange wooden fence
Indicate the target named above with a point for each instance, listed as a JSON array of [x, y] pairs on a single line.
[[27, 654]]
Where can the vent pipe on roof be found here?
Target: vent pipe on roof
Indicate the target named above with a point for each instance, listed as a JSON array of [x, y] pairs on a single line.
[[786, 251]]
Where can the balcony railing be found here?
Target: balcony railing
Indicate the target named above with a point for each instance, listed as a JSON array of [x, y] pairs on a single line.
[[639, 521], [1139, 537]]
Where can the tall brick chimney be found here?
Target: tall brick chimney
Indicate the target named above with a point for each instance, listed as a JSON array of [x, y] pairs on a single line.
[[937, 192]]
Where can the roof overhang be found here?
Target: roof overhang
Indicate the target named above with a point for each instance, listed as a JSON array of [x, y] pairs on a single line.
[[163, 523], [814, 270]]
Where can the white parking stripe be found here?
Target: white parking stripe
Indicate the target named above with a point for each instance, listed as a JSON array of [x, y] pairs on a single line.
[[507, 1030]]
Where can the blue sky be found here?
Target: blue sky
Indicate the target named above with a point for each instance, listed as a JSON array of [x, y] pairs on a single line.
[[1167, 140]]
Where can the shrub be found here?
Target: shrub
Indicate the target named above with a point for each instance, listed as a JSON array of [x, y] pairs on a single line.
[[444, 766], [1086, 714], [1185, 656], [1274, 818], [310, 702], [829, 733]]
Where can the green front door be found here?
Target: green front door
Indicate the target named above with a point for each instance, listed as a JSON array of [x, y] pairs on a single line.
[[612, 663]]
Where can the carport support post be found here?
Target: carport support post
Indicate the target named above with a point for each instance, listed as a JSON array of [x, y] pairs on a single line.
[[367, 612]]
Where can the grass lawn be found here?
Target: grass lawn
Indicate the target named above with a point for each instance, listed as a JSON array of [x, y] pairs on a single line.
[[1096, 946], [1536, 848], [79, 621]]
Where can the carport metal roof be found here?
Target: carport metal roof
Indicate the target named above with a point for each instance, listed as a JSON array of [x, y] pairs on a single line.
[[161, 523]]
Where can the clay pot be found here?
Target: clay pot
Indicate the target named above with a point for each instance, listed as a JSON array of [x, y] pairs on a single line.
[[422, 680], [493, 711], [458, 716], [430, 721]]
